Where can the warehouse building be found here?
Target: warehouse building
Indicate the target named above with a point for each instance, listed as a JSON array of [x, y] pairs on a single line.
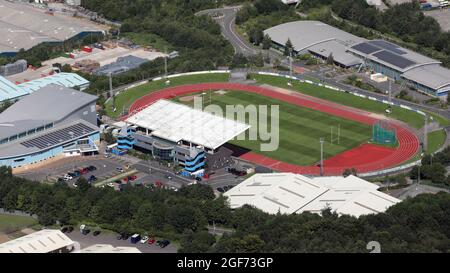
[[321, 40], [289, 193], [24, 27], [51, 123], [180, 134], [123, 64], [318, 39], [44, 241], [69, 80], [11, 91]]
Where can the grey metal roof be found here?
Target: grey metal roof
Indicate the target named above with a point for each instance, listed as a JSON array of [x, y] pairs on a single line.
[[49, 104], [305, 34], [48, 139], [24, 26], [339, 51], [391, 55], [122, 64], [433, 76]]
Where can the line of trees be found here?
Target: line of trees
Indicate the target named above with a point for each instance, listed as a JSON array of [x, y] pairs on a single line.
[[421, 224]]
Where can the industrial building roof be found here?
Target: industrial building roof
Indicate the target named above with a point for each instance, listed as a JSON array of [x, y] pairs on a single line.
[[337, 50], [102, 248], [391, 55], [122, 64], [310, 34], [44, 241], [51, 104], [434, 76], [62, 79], [176, 122], [24, 26], [292, 193], [9, 90]]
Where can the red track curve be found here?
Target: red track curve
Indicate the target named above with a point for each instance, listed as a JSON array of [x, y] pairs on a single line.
[[365, 158]]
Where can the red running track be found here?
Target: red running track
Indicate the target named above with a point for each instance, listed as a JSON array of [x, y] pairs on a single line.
[[365, 158]]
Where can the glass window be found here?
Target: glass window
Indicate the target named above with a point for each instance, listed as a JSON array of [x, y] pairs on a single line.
[[40, 129]]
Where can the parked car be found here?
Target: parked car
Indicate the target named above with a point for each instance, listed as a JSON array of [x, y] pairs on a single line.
[[67, 177], [96, 233], [151, 241], [83, 171], [164, 243], [198, 178], [220, 190], [92, 178], [144, 240], [60, 179], [119, 169], [64, 229], [135, 238], [69, 229], [92, 168]]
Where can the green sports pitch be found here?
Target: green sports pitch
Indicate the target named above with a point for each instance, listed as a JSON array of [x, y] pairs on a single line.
[[300, 128]]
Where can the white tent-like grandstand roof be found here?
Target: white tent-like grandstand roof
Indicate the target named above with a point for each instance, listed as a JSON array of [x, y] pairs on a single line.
[[176, 122], [291, 193]]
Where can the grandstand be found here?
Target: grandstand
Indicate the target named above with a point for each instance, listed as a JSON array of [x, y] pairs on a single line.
[[24, 27], [55, 121], [180, 134]]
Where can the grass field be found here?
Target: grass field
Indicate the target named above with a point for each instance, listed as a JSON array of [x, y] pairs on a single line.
[[413, 119], [435, 140], [149, 39], [300, 129], [125, 99], [12, 223]]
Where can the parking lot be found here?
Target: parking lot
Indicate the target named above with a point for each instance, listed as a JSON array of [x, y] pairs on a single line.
[[442, 16], [111, 239]]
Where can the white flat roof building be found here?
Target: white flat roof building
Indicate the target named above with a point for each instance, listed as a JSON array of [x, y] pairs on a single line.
[[43, 241], [177, 122], [292, 193], [100, 248], [25, 26]]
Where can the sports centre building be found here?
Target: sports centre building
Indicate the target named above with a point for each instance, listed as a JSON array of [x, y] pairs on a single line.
[[23, 27], [55, 121], [349, 51], [180, 134], [11, 91]]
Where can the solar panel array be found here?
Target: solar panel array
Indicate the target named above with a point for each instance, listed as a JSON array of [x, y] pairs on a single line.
[[393, 59], [365, 48], [59, 136], [388, 46]]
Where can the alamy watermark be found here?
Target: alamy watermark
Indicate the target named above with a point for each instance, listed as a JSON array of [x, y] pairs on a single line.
[[264, 127]]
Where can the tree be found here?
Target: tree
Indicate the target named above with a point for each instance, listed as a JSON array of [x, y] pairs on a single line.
[[288, 48], [266, 42], [83, 185], [330, 59]]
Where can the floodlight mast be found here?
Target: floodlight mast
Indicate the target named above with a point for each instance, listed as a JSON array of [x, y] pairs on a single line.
[[321, 156]]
